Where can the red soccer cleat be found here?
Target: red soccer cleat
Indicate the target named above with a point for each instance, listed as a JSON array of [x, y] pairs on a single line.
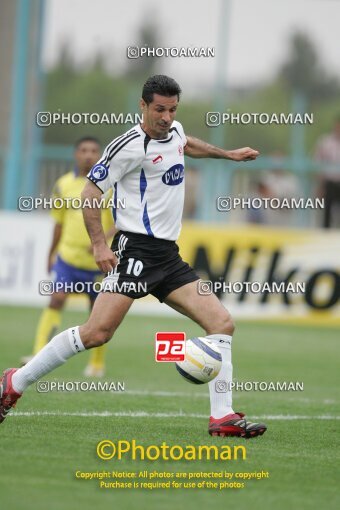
[[8, 397], [235, 425]]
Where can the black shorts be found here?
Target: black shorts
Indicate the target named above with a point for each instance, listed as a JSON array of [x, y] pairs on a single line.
[[147, 265]]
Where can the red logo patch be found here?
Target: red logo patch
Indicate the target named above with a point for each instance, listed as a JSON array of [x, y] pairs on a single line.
[[158, 159], [170, 347], [180, 150]]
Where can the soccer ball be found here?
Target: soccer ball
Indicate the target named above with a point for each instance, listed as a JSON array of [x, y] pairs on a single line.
[[202, 361]]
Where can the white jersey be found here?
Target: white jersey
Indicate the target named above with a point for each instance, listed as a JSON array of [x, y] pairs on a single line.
[[149, 175]]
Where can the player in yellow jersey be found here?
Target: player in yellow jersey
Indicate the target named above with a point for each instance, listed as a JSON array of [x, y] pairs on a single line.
[[70, 256]]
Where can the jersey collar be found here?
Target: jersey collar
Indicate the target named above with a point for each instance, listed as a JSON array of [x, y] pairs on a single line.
[[148, 137]]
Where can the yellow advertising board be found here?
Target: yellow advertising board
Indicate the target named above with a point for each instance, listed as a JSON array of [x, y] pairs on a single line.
[[268, 272]]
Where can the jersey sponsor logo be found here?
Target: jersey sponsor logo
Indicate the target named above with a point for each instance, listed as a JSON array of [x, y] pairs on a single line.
[[99, 173], [174, 175], [180, 150], [157, 160]]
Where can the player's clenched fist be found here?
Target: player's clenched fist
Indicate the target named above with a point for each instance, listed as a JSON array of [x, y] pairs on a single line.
[[105, 258], [244, 154]]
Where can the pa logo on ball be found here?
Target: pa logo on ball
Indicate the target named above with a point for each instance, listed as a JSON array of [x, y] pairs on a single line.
[[170, 346]]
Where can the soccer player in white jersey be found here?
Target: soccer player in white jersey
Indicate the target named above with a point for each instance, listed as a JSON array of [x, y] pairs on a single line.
[[146, 167]]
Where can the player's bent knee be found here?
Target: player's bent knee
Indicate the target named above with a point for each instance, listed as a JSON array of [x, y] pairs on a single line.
[[223, 324], [95, 338], [100, 338]]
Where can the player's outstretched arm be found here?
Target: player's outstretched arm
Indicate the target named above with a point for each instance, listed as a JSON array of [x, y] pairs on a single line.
[[196, 148], [104, 257]]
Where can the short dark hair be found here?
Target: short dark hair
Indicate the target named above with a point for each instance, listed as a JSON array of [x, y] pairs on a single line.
[[86, 139], [162, 85]]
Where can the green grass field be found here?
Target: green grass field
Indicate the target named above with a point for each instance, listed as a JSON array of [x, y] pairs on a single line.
[[41, 453]]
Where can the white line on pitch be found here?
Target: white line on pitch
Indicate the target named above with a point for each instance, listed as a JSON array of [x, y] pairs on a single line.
[[206, 395], [143, 414], [239, 394], [164, 394], [146, 393]]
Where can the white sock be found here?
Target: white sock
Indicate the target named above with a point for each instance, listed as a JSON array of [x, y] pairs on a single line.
[[62, 347], [219, 389]]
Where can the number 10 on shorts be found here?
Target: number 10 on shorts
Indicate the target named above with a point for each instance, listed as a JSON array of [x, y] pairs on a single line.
[[170, 347]]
